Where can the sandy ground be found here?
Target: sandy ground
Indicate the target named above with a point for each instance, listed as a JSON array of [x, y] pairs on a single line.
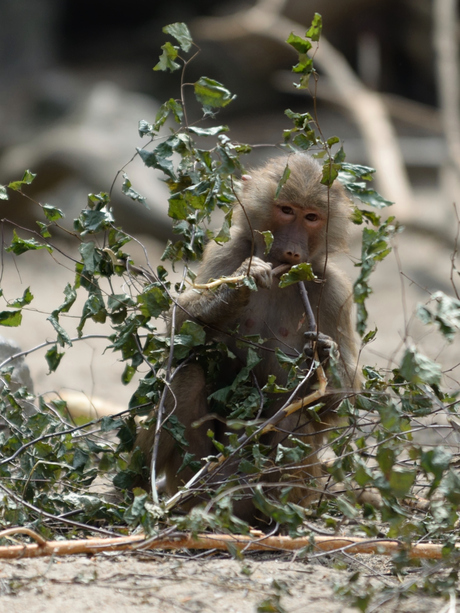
[[121, 583], [204, 583]]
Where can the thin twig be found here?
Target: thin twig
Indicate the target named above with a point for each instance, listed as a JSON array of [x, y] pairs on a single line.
[[279, 270]]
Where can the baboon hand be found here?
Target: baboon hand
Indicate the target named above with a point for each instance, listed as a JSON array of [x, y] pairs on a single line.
[[258, 269], [325, 346]]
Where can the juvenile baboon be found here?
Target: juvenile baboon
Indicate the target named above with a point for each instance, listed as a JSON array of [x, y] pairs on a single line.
[[308, 222]]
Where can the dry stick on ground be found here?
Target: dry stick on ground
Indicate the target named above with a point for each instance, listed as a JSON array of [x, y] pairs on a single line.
[[208, 541], [269, 424]]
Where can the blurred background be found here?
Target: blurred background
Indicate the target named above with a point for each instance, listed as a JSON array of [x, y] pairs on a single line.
[[76, 77]]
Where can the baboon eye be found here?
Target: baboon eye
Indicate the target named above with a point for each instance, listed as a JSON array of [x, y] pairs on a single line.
[[287, 210], [311, 217]]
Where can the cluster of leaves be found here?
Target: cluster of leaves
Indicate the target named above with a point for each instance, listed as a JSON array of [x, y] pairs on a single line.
[[48, 463]]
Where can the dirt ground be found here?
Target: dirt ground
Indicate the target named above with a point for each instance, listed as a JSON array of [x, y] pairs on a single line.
[[209, 582], [175, 582]]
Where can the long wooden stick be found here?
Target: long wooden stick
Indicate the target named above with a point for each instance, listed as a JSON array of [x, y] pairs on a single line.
[[351, 545]]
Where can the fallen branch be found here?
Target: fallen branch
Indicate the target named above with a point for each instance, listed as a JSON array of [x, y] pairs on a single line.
[[242, 542]]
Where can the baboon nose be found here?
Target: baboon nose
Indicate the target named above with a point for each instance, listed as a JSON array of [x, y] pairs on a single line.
[[291, 257]]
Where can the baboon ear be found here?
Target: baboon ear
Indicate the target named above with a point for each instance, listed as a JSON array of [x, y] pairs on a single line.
[[246, 178]]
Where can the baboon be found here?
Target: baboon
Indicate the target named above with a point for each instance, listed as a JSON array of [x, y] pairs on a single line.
[[308, 222]]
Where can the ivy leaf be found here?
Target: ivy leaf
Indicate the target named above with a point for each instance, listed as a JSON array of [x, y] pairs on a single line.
[[3, 193], [152, 302], [435, 461], [158, 159], [127, 189], [12, 319], [401, 481], [168, 107], [299, 272], [223, 235], [167, 58], [181, 33], [93, 221], [268, 240], [194, 331], [305, 141], [90, 256], [52, 213], [26, 299], [417, 368], [446, 314], [282, 181], [211, 93], [26, 180], [314, 31], [70, 297], [352, 177], [300, 44], [330, 172], [53, 358], [63, 338], [21, 245]]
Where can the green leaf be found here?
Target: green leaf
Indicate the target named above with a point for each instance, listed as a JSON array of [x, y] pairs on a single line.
[[63, 338], [53, 358], [178, 208], [290, 455], [70, 297], [167, 58], [20, 245], [299, 272], [181, 33], [12, 319], [152, 302], [282, 181], [3, 193], [127, 189], [212, 94], [194, 331], [92, 221], [346, 508], [352, 177], [330, 172], [305, 141], [117, 302], [52, 213], [158, 159], [90, 256], [26, 299], [26, 180], [98, 201], [300, 44], [417, 368], [268, 240], [168, 107], [401, 481], [446, 314], [435, 461], [314, 31], [450, 487]]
